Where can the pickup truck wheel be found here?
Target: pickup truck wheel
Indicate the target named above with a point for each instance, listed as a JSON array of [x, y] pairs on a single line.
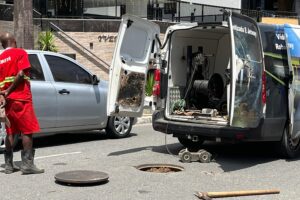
[[190, 144], [119, 127], [289, 147]]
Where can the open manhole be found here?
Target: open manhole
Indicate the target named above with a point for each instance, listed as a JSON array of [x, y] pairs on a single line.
[[160, 168]]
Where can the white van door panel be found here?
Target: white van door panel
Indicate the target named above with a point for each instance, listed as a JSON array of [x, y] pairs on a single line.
[[292, 35], [232, 70], [245, 99], [128, 72]]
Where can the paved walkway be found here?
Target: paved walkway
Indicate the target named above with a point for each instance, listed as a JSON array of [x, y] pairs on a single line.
[[146, 118]]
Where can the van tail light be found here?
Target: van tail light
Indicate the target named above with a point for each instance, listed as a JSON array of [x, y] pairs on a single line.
[[156, 90], [264, 92], [156, 87], [157, 75]]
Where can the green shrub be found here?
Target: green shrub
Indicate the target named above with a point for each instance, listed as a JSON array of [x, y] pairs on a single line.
[[46, 41], [149, 84]]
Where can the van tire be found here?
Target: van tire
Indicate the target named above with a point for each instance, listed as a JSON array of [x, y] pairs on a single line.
[[191, 145], [289, 148]]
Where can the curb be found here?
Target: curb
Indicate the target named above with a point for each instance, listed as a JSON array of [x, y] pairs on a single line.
[[145, 119]]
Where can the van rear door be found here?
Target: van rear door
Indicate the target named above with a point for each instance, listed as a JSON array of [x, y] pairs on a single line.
[[135, 44], [245, 107], [292, 35]]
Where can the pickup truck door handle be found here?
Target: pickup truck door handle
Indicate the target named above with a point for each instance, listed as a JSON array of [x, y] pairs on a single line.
[[64, 91]]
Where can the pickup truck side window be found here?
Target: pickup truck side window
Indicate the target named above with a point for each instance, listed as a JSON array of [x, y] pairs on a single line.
[[64, 70], [36, 72]]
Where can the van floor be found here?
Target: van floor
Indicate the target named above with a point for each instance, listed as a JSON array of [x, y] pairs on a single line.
[[204, 114]]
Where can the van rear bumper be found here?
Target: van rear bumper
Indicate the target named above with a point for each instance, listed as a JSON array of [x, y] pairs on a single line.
[[182, 129]]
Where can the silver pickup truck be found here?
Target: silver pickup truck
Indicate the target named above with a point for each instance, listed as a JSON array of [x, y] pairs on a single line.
[[67, 97]]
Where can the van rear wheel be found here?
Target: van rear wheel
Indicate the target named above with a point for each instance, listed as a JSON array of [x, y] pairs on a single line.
[[190, 144], [289, 147]]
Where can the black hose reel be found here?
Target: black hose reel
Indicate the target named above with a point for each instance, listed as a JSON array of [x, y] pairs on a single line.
[[209, 93], [213, 88]]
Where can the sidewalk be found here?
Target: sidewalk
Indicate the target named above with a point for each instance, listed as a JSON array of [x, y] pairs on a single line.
[[146, 118]]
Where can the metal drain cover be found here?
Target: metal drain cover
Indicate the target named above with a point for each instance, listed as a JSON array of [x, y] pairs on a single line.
[[81, 177]]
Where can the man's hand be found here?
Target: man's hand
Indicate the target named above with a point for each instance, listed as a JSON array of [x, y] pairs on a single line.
[[3, 93], [2, 100]]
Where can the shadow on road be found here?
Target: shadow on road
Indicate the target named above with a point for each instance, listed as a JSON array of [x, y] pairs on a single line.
[[233, 157], [230, 157], [82, 184], [127, 151], [68, 138]]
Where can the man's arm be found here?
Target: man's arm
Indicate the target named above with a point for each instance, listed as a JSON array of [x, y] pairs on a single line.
[[19, 79]]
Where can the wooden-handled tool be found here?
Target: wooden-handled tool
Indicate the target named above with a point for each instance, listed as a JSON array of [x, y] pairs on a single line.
[[210, 195]]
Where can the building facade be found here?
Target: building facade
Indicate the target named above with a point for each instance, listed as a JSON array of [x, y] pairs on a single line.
[[149, 8], [99, 35], [116, 8], [93, 8], [221, 3], [272, 5]]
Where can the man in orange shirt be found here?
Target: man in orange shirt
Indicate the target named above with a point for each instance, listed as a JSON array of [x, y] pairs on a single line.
[[17, 98]]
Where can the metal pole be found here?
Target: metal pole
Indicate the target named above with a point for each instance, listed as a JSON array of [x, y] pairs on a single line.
[[116, 8], [156, 10], [202, 13], [82, 8], [55, 8], [82, 15], [178, 11]]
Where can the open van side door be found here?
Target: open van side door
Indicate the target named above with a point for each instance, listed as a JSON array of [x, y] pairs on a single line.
[[292, 37], [135, 44], [247, 67]]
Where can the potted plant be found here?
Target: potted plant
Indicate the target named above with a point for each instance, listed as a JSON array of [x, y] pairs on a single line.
[[46, 41], [149, 88]]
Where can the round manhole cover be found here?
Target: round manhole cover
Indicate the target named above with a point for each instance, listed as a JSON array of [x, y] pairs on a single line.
[[81, 177], [160, 168]]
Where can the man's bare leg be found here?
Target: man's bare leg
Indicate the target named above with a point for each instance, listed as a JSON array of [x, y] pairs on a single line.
[[27, 141]]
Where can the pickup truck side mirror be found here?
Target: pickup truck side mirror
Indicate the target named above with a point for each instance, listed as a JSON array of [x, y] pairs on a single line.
[[95, 80]]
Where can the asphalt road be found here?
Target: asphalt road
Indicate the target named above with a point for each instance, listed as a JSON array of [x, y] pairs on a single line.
[[236, 167]]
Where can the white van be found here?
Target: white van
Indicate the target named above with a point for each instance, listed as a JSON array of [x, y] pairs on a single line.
[[214, 81]]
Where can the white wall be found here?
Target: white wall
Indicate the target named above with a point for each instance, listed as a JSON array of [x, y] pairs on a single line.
[[179, 49], [137, 7], [225, 3], [222, 56], [134, 7], [109, 11]]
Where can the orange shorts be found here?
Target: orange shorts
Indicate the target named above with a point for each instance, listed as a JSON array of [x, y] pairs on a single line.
[[22, 117]]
